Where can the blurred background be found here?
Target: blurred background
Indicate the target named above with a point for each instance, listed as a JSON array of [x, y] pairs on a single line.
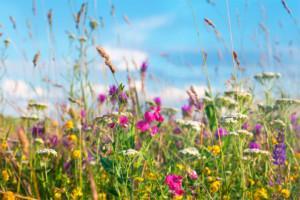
[[170, 35]]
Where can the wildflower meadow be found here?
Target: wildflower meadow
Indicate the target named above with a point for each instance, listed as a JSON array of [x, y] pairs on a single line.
[[78, 123]]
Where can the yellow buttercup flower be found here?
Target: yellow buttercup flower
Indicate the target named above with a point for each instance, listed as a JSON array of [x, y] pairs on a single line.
[[8, 196], [5, 175], [251, 181], [4, 145], [72, 138], [285, 193], [260, 194], [76, 193], [215, 149], [69, 125], [180, 166], [151, 176], [76, 154], [215, 186]]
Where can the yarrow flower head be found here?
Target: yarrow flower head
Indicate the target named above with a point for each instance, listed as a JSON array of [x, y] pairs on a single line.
[[174, 183]]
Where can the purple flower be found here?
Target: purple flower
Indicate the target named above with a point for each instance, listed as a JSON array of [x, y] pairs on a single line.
[[294, 118], [157, 101], [82, 113], [123, 97], [113, 90], [53, 140], [245, 126], [38, 130], [257, 129], [220, 132], [144, 66], [101, 98], [177, 130], [279, 152], [254, 145], [186, 110], [143, 125]]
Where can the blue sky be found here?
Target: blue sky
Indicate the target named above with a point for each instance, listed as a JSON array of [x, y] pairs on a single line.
[[155, 28]]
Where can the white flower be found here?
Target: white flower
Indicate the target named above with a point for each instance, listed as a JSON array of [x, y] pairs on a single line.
[[38, 141], [129, 152], [256, 151], [194, 124], [47, 152], [245, 132], [191, 151]]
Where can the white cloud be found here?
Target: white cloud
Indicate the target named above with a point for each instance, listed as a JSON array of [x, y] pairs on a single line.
[[123, 57], [20, 89]]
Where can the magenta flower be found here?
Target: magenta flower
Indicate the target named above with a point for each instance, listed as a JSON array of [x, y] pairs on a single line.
[[82, 113], [149, 116], [123, 121], [158, 116], [245, 126], [113, 90], [101, 98], [193, 175], [174, 183], [154, 130], [220, 132], [257, 129], [157, 101], [186, 110], [254, 145], [143, 125]]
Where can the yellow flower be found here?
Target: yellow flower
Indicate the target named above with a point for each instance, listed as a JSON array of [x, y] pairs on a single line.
[[8, 196], [138, 179], [72, 138], [177, 197], [251, 181], [4, 145], [151, 176], [215, 149], [57, 195], [76, 154], [5, 175], [76, 193], [207, 171], [285, 193], [215, 186], [69, 125], [261, 193], [55, 123], [297, 154], [102, 196], [210, 179], [180, 166]]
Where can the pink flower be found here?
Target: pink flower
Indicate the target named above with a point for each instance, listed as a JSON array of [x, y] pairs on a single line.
[[174, 183], [143, 125], [158, 116], [149, 116], [154, 130], [193, 175], [123, 121]]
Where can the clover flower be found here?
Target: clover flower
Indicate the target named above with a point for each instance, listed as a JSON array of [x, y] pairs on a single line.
[[174, 183], [101, 98]]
